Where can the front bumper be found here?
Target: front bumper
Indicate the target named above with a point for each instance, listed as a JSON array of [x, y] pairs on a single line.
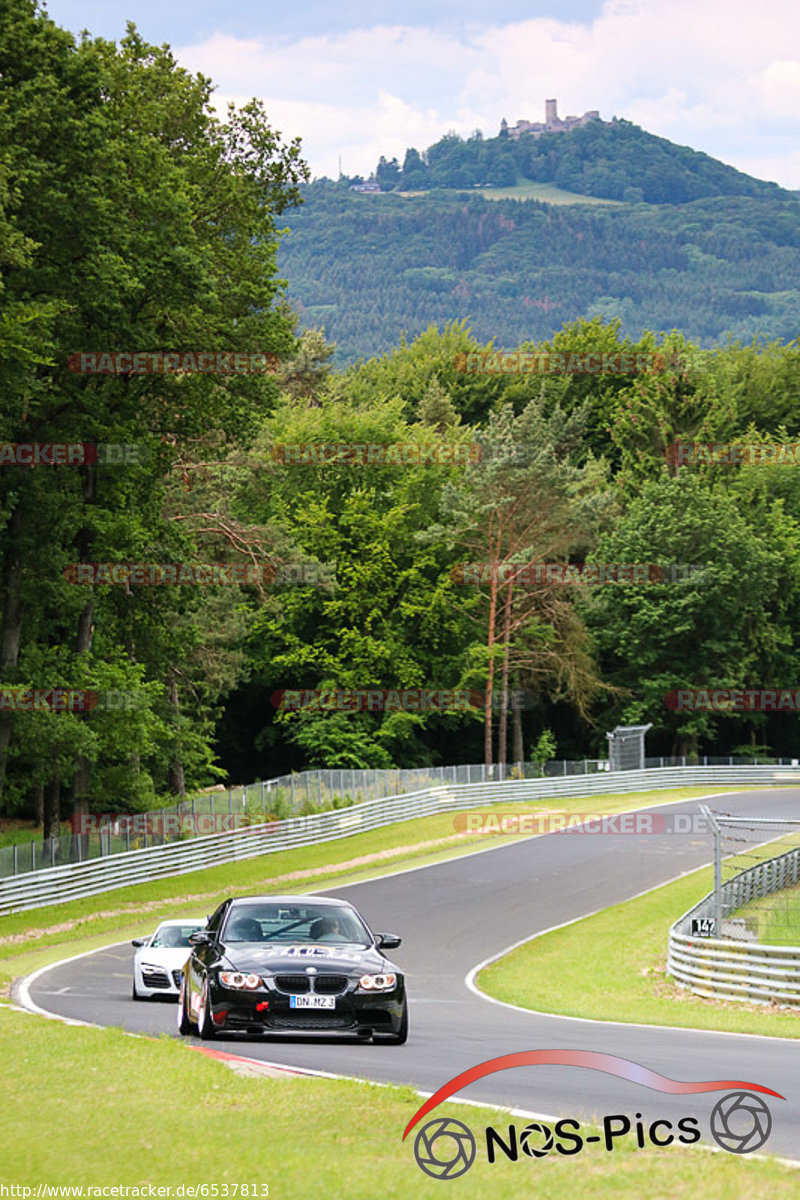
[[235, 1010], [163, 982]]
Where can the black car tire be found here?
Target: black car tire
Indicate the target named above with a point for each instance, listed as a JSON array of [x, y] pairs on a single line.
[[205, 1025], [399, 1038], [134, 994], [185, 1024]]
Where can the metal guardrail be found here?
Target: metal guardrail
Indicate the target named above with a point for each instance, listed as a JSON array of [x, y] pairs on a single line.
[[225, 809], [296, 795], [727, 969], [59, 884]]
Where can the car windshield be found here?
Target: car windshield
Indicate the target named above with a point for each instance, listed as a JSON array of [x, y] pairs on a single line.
[[295, 923], [173, 937]]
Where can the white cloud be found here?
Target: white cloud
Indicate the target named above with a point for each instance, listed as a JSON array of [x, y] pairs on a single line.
[[713, 74], [778, 87]]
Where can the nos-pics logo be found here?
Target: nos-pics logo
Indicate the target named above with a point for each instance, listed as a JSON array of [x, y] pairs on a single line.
[[446, 1148]]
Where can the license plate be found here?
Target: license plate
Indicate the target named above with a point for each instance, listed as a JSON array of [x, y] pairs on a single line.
[[312, 1002]]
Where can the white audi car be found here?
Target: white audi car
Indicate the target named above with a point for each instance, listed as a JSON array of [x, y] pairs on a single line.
[[159, 958]]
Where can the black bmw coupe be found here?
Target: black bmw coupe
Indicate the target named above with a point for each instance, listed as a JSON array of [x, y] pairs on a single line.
[[291, 964]]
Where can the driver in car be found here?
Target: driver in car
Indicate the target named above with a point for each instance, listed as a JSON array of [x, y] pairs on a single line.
[[327, 929], [245, 929]]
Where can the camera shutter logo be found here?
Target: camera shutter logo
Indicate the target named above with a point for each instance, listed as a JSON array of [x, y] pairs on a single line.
[[444, 1148], [740, 1122], [528, 1142]]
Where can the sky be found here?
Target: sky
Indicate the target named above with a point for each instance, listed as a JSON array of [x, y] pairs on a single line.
[[355, 80]]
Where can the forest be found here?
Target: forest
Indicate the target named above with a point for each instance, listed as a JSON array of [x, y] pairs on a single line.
[[369, 269], [198, 562]]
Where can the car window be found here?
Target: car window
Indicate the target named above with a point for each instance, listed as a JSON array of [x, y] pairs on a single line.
[[295, 923], [172, 937]]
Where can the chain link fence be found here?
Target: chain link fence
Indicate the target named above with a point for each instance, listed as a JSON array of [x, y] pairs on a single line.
[[299, 794], [756, 894], [742, 941]]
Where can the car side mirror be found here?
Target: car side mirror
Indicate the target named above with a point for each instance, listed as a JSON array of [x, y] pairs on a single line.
[[139, 942], [199, 938], [387, 941]]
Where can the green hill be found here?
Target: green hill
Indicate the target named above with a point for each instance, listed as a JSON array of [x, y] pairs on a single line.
[[615, 160], [368, 268]]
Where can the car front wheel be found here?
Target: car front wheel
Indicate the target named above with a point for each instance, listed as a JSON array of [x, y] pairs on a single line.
[[184, 1022], [399, 1038], [205, 1025]]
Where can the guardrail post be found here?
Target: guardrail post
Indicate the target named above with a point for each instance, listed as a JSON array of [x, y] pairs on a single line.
[[33, 855], [52, 851], [292, 778], [15, 858], [717, 834]]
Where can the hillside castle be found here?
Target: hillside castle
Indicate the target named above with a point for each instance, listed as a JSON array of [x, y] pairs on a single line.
[[552, 123]]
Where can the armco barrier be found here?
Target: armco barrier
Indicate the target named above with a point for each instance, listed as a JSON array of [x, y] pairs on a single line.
[[278, 798], [726, 969], [58, 884]]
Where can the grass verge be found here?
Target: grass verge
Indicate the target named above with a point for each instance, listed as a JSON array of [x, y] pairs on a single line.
[[96, 1108], [775, 919], [612, 967]]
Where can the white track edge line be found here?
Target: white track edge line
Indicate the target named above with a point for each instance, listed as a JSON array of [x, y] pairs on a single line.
[[469, 979], [24, 984]]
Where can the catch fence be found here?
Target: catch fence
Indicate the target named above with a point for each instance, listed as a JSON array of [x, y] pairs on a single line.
[[53, 885]]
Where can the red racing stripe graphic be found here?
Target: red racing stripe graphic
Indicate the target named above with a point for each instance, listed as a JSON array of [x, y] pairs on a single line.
[[623, 1068]]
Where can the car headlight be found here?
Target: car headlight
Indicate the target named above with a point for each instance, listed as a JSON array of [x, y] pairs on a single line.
[[377, 983], [235, 979], [152, 969]]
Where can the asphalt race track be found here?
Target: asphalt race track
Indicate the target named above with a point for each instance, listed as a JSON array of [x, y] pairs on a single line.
[[453, 916]]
